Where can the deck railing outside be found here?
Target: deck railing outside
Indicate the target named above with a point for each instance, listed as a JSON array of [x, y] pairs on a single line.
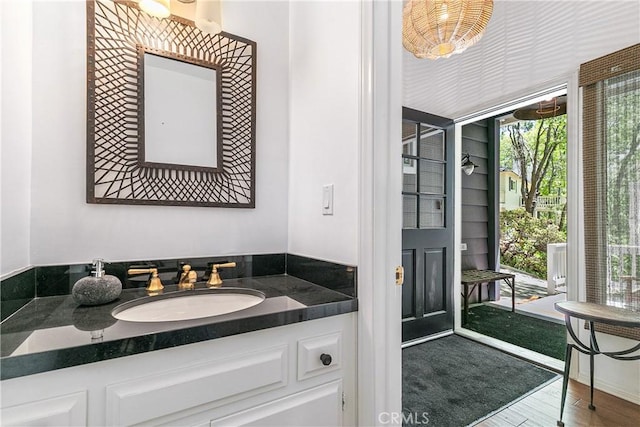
[[622, 273], [550, 202], [556, 266], [623, 277]]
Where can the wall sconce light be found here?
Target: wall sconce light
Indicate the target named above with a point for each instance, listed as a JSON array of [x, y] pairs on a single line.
[[208, 17], [467, 165]]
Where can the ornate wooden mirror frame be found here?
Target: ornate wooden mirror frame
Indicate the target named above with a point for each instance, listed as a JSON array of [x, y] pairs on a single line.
[[117, 33]]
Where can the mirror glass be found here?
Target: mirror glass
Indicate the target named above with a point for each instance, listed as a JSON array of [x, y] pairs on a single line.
[[180, 125]]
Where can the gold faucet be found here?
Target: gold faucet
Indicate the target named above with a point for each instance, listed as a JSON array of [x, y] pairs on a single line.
[[188, 278], [155, 285], [214, 279]]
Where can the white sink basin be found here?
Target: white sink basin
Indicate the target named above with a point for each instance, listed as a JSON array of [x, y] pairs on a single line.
[[188, 305]]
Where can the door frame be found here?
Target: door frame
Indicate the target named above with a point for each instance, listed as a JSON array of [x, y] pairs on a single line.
[[380, 215]]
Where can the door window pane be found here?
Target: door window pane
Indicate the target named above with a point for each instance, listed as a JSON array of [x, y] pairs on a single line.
[[409, 138], [432, 144], [431, 212], [431, 177], [423, 175], [409, 175], [409, 211]]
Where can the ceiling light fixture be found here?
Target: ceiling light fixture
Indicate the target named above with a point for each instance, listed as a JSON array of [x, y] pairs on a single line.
[[543, 110], [440, 28], [467, 165], [208, 15], [157, 8]]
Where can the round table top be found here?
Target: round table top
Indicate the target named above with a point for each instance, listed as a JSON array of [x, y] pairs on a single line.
[[600, 313]]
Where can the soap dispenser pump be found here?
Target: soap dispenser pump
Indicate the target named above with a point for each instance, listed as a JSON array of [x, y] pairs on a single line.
[[99, 288]]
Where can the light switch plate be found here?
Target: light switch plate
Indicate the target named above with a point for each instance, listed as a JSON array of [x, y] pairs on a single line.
[[327, 199]]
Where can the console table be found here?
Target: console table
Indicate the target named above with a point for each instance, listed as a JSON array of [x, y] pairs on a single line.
[[593, 313], [474, 278]]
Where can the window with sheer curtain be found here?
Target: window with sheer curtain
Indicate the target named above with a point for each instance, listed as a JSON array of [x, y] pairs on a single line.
[[611, 159]]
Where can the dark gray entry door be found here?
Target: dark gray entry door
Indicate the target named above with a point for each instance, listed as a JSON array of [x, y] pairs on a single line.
[[427, 234]]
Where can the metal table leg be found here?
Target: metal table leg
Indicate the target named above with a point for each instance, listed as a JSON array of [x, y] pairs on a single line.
[[593, 350], [565, 381]]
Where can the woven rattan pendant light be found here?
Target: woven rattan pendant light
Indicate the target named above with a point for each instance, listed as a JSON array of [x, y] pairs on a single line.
[[440, 28]]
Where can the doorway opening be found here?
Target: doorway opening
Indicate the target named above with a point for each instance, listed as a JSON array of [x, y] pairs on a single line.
[[514, 222]]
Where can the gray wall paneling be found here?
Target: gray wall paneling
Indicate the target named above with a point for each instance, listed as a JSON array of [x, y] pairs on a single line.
[[479, 217]]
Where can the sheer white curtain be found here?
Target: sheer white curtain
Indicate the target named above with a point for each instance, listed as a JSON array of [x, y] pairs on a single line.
[[622, 140], [611, 143]]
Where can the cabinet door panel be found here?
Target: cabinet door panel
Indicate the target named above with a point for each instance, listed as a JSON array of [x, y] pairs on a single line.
[[69, 410], [320, 406]]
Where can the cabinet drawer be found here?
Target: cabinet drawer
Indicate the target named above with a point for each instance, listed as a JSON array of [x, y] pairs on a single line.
[[319, 355], [144, 399]]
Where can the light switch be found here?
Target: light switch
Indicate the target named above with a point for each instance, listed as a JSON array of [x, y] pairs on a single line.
[[327, 199]]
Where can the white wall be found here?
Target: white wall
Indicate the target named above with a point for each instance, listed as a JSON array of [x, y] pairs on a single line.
[[65, 229], [15, 135], [319, 147], [324, 123], [526, 44]]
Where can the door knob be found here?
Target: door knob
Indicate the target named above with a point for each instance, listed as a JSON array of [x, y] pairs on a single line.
[[325, 359]]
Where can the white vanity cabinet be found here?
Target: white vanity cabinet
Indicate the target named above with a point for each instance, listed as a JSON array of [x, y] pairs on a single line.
[[294, 375]]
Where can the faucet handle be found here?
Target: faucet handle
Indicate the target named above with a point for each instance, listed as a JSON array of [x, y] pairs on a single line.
[[155, 284], [141, 270], [226, 264], [214, 279]]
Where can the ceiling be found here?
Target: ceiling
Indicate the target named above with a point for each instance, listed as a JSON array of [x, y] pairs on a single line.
[[528, 46]]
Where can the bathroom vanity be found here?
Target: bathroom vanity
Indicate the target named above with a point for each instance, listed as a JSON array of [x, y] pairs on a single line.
[[270, 377], [289, 360]]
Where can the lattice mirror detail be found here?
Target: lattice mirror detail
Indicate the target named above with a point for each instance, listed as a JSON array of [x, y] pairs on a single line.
[[119, 38]]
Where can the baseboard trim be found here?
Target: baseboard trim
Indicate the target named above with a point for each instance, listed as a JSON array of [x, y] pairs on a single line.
[[425, 339], [610, 389], [539, 359]]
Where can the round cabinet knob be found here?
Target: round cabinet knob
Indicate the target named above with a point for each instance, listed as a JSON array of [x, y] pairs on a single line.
[[325, 359]]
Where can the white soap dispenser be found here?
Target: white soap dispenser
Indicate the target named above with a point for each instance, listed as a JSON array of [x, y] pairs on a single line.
[[99, 288]]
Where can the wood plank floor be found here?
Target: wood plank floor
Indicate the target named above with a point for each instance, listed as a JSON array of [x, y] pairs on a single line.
[[542, 409]]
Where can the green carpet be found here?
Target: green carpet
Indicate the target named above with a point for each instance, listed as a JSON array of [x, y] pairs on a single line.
[[524, 331], [453, 381]]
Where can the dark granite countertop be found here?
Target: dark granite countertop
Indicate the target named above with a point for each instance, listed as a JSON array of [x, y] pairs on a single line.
[[54, 332]]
